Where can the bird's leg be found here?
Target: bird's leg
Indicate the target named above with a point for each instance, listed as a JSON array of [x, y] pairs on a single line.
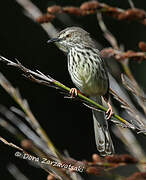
[[109, 112]]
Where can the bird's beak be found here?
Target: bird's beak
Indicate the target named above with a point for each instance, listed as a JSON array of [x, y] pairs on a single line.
[[53, 40]]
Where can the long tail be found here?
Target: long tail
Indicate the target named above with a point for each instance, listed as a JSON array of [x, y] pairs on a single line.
[[102, 136]]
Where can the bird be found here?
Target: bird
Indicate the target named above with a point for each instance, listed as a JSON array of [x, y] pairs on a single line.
[[89, 74]]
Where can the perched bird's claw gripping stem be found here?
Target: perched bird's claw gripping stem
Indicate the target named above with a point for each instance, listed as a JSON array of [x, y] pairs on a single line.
[[109, 112], [73, 92]]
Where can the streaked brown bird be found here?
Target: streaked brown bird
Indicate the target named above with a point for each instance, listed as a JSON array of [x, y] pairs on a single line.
[[88, 73]]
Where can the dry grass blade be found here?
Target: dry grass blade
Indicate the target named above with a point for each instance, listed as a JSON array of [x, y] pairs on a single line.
[[56, 172], [11, 144], [8, 127], [16, 173], [28, 145], [136, 118], [135, 90], [131, 4], [131, 143], [124, 104], [27, 131], [21, 114], [14, 93], [122, 97], [131, 86], [33, 12], [107, 34]]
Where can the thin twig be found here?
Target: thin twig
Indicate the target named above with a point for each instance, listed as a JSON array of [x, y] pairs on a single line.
[[14, 93], [11, 144]]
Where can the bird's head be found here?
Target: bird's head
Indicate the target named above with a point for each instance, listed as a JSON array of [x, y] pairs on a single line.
[[72, 37]]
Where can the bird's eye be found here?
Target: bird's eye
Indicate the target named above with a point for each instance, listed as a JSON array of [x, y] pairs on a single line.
[[68, 35]]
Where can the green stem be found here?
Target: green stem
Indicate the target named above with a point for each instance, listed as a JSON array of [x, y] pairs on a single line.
[[100, 107]]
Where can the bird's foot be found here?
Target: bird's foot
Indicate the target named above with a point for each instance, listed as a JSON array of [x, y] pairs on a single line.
[[109, 112], [73, 92]]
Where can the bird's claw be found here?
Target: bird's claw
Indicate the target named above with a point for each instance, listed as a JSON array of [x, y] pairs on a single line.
[[109, 112], [73, 92]]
